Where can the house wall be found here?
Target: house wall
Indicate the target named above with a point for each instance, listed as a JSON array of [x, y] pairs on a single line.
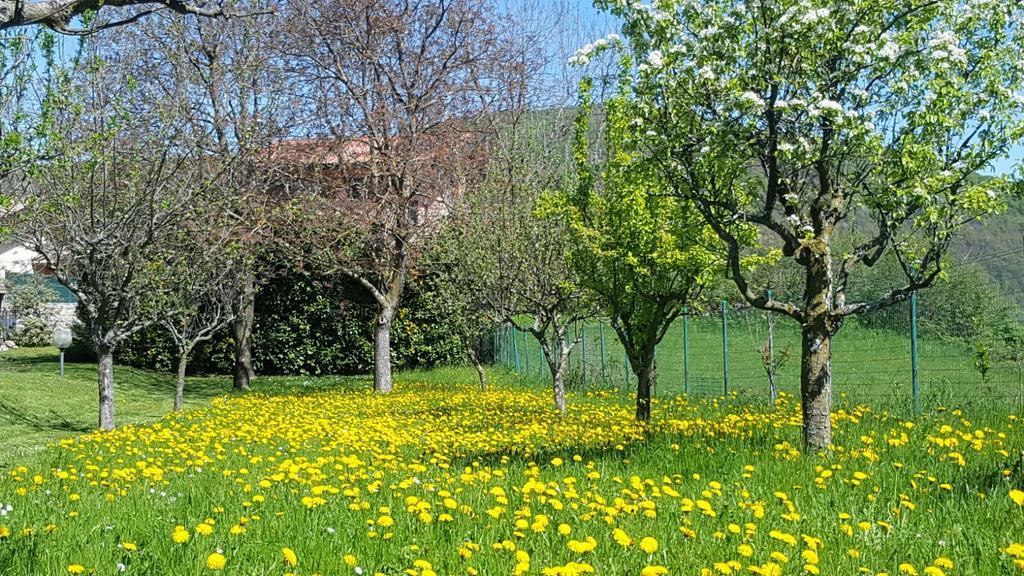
[[16, 259]]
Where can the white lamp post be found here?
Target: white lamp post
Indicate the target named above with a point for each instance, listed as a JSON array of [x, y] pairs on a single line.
[[62, 340]]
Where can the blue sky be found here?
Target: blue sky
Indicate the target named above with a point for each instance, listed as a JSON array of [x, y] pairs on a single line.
[[606, 23]]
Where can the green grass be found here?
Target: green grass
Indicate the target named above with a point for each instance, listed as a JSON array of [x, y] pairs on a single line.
[[441, 478], [869, 365], [38, 407]]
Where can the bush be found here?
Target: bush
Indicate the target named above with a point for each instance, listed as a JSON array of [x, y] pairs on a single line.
[[29, 296], [312, 326], [33, 332]]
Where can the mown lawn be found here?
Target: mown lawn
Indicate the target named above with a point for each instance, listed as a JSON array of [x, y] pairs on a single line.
[[321, 476], [37, 406]]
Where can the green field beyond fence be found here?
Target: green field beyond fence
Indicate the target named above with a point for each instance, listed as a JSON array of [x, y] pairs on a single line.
[[965, 345]]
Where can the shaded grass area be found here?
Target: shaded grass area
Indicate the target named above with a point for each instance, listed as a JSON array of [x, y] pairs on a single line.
[[38, 407]]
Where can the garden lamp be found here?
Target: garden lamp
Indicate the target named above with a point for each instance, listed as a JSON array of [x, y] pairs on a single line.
[[62, 340]]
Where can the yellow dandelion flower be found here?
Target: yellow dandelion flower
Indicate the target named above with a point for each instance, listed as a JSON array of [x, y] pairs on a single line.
[[216, 562], [649, 545], [288, 557]]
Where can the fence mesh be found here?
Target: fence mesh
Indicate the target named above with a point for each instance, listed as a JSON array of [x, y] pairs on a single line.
[[959, 343]]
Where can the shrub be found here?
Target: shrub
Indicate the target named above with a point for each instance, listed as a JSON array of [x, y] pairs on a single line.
[[29, 295], [313, 326]]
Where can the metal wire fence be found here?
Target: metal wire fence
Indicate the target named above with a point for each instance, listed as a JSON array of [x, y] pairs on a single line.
[[957, 344]]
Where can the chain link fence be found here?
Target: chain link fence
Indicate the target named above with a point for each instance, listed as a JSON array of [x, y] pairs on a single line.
[[959, 343]]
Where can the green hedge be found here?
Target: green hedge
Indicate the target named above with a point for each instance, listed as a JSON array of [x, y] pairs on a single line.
[[311, 326]]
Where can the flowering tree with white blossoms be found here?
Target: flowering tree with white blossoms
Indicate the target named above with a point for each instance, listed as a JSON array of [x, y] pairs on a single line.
[[794, 116]]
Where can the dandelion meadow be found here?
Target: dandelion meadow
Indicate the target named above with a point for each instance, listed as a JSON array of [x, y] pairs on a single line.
[[449, 480]]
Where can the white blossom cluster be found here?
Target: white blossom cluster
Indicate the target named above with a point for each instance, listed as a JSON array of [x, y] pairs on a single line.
[[583, 55], [6, 509], [945, 49]]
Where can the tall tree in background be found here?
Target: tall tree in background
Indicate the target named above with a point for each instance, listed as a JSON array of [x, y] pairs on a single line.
[[642, 254], [224, 76], [106, 207], [400, 90], [16, 74], [794, 116]]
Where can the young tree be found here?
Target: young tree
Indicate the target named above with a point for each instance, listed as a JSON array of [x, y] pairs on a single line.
[[399, 88], [458, 292], [203, 290], [511, 263], [795, 116], [517, 259], [106, 207], [643, 254]]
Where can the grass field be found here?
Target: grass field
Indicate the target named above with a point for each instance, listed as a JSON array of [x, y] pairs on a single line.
[[441, 478], [320, 476], [869, 365]]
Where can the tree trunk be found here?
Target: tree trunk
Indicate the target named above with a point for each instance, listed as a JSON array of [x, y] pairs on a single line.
[[816, 386], [480, 373], [557, 355], [646, 377], [241, 330], [558, 387], [179, 387], [106, 387], [382, 351], [816, 354]]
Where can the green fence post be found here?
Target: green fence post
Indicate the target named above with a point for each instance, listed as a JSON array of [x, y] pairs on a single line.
[[515, 348], [504, 346], [600, 333], [526, 353], [915, 384], [583, 351], [725, 348], [686, 351]]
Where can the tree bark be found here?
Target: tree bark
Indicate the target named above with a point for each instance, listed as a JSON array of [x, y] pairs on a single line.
[[816, 354], [557, 354], [106, 386], [179, 387], [646, 377], [382, 382], [481, 374], [241, 329], [558, 387], [816, 387]]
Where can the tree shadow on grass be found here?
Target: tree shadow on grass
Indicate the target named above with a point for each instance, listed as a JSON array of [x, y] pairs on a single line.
[[41, 422]]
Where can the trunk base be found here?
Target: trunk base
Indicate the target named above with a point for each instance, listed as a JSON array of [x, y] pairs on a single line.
[[106, 389]]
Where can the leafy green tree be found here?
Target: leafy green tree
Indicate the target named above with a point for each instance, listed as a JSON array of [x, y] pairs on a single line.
[[794, 115], [642, 253]]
